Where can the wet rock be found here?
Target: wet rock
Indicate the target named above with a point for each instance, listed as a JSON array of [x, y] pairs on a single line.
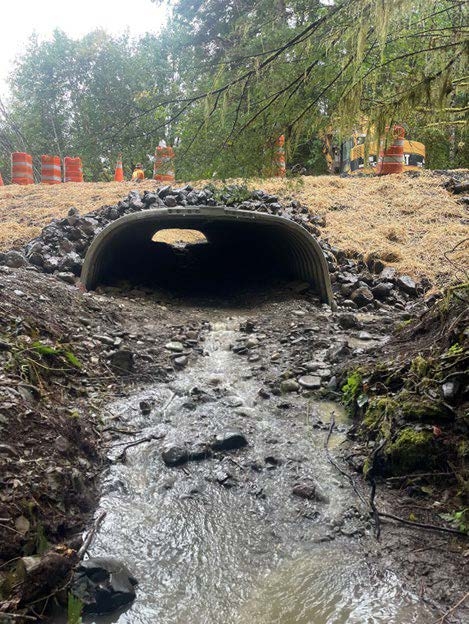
[[339, 352], [175, 455], [382, 290], [309, 491], [289, 385], [14, 260], [229, 441], [310, 382], [36, 259], [145, 407], [170, 201], [406, 284], [68, 278], [103, 585], [122, 361], [71, 262], [347, 320], [363, 335], [180, 361], [176, 347], [362, 296]]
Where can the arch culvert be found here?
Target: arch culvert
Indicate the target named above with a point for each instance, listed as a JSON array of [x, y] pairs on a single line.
[[240, 247]]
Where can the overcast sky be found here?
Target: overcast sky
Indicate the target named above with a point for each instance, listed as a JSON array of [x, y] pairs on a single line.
[[20, 19]]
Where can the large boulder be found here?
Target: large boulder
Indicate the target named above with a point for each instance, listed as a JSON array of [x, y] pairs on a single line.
[[103, 585]]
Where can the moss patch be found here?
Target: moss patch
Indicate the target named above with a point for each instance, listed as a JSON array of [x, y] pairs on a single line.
[[412, 450]]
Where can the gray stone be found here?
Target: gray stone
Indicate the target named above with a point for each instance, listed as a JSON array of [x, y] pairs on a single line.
[[229, 440], [406, 284], [310, 382], [289, 385], [122, 361], [145, 407], [170, 201], [309, 491], [103, 585], [174, 455], [14, 260], [362, 296], [382, 290], [388, 274], [68, 278], [347, 320], [313, 365], [177, 347], [180, 361]]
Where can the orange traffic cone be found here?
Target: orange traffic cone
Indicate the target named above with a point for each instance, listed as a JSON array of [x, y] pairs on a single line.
[[391, 160], [119, 173], [1, 181]]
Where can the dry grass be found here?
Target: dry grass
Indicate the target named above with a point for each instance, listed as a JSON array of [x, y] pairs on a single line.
[[408, 222]]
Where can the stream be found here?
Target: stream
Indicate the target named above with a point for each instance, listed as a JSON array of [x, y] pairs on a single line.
[[224, 540]]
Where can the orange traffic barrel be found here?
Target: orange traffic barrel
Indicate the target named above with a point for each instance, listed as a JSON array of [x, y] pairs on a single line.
[[163, 167], [1, 180], [119, 172], [73, 171], [21, 168], [391, 159], [280, 168], [51, 169]]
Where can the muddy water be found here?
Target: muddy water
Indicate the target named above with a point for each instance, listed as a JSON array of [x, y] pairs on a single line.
[[246, 551]]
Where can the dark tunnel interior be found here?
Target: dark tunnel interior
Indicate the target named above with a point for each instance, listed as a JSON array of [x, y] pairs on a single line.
[[237, 254]]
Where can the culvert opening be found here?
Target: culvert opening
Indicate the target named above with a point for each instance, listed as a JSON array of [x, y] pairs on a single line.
[[178, 237], [214, 251]]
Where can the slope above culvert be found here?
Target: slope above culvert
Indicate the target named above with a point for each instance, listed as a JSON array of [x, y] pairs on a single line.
[[237, 242]]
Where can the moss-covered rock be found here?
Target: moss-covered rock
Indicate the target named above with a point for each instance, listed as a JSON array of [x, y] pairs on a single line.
[[411, 450], [421, 409], [378, 416]]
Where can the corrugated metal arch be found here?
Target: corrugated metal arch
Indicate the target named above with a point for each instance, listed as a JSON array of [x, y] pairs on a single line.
[[220, 225]]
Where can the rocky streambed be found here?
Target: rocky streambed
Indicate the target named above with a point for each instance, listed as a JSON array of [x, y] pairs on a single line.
[[229, 509]]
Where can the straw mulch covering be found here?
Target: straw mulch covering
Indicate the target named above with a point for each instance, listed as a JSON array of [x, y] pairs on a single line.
[[409, 222]]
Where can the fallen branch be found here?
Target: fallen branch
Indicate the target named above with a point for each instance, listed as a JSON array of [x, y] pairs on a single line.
[[91, 533], [452, 610], [155, 436], [17, 616], [420, 525]]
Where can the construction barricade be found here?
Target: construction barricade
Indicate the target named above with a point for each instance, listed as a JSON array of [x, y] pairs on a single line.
[[73, 171], [119, 172], [163, 166], [280, 169], [51, 170], [391, 159], [21, 168]]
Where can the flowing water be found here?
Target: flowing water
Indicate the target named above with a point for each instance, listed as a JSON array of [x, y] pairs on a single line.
[[206, 553]]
